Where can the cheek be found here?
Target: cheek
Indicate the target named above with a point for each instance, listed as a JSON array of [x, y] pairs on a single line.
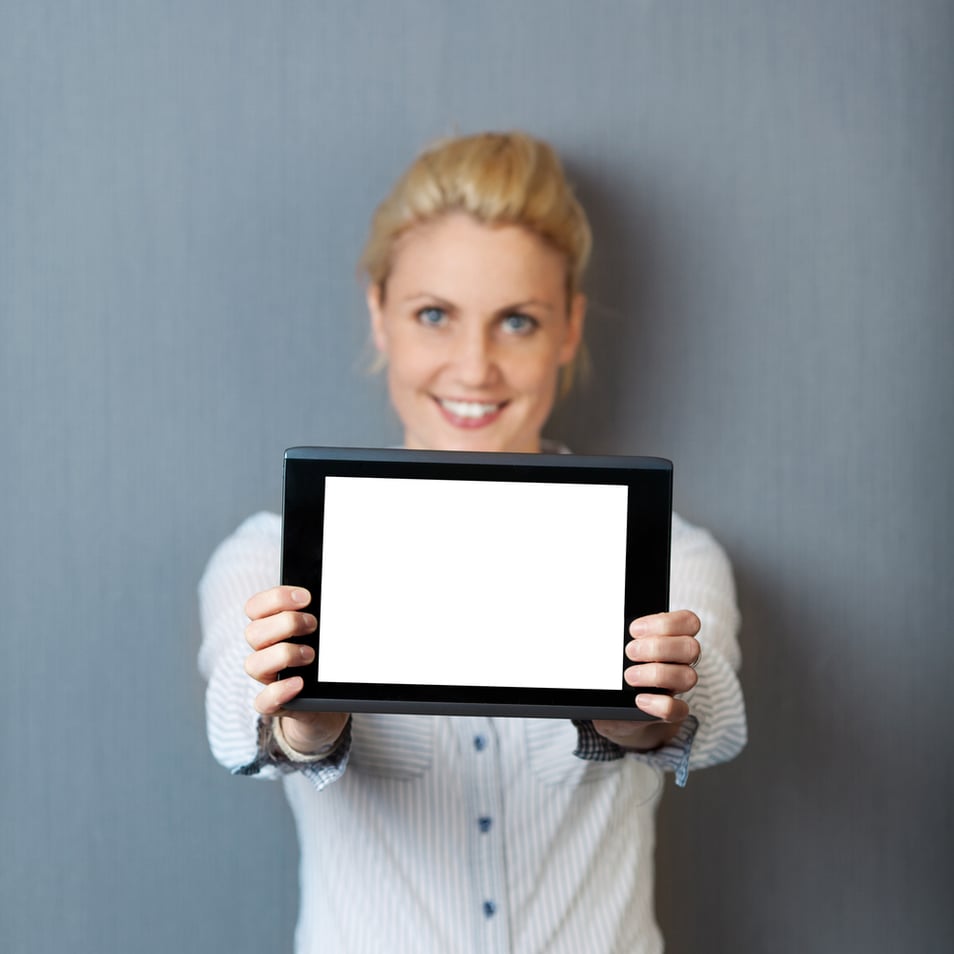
[[408, 363], [537, 374]]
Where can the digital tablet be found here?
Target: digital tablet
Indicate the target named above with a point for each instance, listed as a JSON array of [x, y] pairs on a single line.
[[474, 583]]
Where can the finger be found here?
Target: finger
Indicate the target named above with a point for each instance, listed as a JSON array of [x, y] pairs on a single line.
[[273, 697], [276, 629], [671, 649], [675, 623], [669, 676], [276, 600], [664, 708], [265, 665]]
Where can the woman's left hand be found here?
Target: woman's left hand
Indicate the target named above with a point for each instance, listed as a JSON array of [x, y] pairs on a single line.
[[664, 651]]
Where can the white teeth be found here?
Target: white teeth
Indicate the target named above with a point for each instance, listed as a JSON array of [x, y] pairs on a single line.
[[468, 408]]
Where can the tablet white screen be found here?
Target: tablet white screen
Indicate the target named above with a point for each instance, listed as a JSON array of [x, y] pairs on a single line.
[[472, 583]]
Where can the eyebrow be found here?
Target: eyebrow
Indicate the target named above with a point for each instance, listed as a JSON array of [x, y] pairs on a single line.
[[425, 295], [506, 310]]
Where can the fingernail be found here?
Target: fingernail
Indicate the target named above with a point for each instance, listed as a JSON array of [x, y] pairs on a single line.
[[299, 596]]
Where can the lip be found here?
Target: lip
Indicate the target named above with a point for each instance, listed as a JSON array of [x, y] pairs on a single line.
[[489, 413]]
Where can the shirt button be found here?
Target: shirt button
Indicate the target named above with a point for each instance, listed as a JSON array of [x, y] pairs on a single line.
[[490, 909], [480, 743], [484, 824]]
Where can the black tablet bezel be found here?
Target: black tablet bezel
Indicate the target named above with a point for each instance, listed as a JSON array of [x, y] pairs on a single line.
[[649, 483]]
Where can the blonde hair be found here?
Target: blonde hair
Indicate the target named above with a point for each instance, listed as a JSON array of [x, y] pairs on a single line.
[[497, 178]]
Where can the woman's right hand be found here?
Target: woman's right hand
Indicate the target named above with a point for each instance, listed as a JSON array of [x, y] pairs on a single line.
[[277, 615]]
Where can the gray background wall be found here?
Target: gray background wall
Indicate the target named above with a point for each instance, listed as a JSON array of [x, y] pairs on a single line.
[[184, 189]]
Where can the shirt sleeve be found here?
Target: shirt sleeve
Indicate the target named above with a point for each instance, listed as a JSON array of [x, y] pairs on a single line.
[[243, 741], [715, 731]]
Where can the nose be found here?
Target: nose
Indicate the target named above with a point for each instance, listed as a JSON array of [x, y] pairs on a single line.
[[474, 360]]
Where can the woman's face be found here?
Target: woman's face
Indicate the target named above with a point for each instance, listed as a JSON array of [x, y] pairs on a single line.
[[475, 325]]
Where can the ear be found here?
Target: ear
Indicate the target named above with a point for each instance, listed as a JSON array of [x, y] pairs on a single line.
[[374, 298], [574, 334]]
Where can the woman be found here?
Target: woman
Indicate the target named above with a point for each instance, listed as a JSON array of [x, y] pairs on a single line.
[[423, 833]]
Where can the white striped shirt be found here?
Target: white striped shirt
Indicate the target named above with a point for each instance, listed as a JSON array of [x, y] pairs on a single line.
[[451, 834]]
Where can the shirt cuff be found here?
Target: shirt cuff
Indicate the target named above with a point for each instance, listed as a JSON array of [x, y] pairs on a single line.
[[321, 770], [594, 747], [671, 757], [293, 755]]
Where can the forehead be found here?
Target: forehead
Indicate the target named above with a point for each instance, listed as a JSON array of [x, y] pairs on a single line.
[[456, 252]]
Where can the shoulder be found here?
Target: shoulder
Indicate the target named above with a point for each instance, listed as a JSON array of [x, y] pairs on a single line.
[[262, 530], [700, 570], [255, 543], [689, 540], [696, 552], [262, 526]]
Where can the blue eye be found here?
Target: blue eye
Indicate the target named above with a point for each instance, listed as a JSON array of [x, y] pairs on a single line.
[[518, 324], [432, 316]]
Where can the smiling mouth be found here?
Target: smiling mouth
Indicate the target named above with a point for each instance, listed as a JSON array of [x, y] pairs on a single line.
[[470, 413]]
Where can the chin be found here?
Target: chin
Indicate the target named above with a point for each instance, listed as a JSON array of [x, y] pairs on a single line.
[[465, 441], [501, 445], [487, 445]]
